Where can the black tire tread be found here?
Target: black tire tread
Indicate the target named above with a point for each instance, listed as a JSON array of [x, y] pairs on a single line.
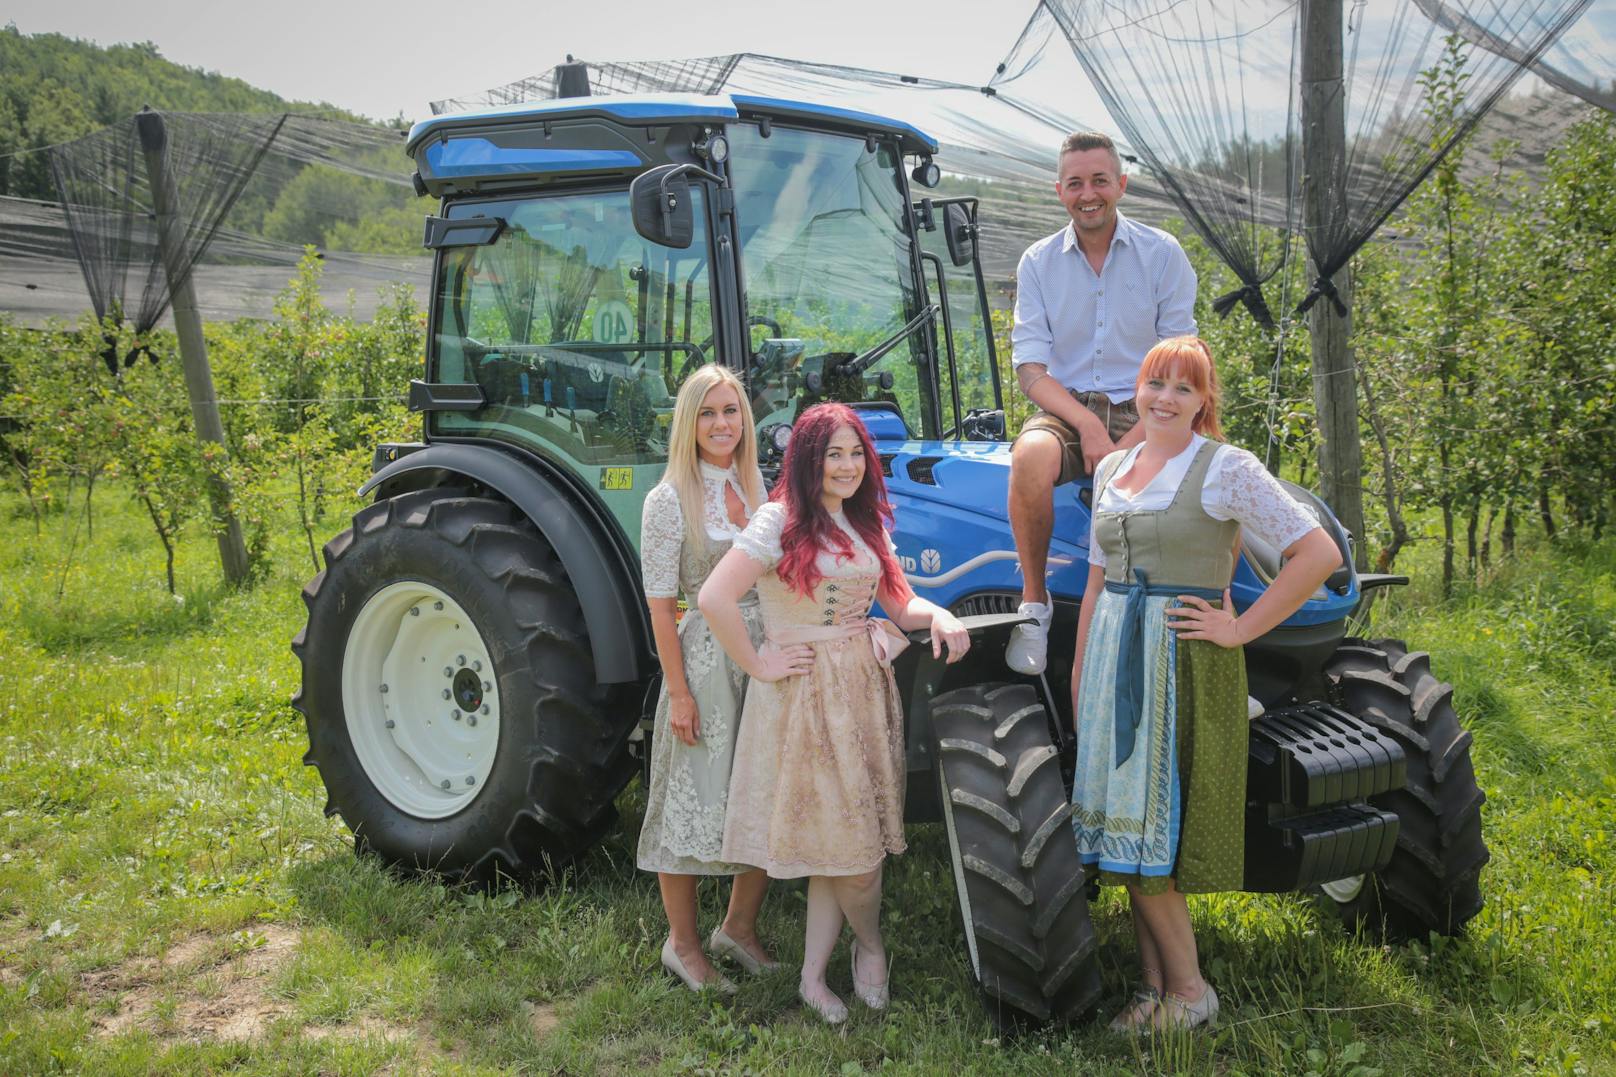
[[1035, 942], [1433, 880], [578, 757]]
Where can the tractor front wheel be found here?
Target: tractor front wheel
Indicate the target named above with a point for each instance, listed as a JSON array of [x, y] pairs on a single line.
[[1433, 880], [449, 691], [1016, 873]]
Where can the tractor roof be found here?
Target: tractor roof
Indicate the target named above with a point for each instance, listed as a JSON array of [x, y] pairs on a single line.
[[644, 110]]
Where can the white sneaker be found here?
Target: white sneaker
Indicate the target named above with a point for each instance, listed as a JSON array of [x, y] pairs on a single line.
[[1028, 643]]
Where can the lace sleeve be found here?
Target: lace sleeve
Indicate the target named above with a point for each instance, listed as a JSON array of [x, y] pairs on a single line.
[[761, 539], [1239, 488], [662, 534], [1096, 555]]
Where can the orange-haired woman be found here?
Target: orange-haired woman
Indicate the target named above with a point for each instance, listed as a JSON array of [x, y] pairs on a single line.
[[1159, 686]]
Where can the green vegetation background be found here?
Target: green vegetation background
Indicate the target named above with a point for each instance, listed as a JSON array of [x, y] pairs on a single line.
[[152, 802]]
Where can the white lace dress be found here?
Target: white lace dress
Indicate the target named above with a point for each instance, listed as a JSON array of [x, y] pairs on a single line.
[[684, 809]]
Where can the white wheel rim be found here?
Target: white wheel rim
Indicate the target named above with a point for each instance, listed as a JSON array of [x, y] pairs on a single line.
[[955, 860], [428, 755], [1342, 891]]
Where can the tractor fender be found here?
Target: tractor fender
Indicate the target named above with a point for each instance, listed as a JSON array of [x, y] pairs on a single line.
[[606, 580]]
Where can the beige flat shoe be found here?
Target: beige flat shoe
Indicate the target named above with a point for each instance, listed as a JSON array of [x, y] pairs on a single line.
[[1177, 1012], [875, 996], [720, 943], [671, 962], [833, 1012], [1138, 1014]]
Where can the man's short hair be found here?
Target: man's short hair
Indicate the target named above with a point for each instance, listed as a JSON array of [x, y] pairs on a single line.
[[1078, 141]]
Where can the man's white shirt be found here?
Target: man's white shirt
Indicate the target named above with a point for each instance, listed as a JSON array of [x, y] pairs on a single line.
[[1092, 330]]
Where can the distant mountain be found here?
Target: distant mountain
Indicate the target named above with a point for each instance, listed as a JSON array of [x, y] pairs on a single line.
[[55, 88]]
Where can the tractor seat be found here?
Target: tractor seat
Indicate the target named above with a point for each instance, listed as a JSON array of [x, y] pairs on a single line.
[[1266, 561]]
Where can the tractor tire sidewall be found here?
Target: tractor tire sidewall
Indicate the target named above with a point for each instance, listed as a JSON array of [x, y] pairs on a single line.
[[1432, 882], [1024, 902], [491, 561]]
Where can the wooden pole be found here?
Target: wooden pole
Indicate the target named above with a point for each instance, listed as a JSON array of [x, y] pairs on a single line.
[[193, 349], [1324, 204]]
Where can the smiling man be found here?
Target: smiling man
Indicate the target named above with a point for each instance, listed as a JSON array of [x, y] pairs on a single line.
[[1091, 300]]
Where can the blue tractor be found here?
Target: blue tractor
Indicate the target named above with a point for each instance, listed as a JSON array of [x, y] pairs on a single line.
[[478, 661]]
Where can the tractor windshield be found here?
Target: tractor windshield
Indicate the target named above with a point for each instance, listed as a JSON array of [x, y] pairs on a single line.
[[829, 270]]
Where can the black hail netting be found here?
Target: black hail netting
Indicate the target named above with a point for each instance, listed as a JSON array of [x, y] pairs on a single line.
[[1205, 94], [250, 192], [996, 145], [1210, 93], [107, 198]]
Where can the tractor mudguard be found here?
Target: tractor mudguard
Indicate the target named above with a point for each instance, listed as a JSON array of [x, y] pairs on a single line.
[[607, 582]]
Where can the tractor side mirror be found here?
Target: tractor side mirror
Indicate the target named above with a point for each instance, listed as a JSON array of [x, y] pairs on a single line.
[[659, 200], [960, 234]]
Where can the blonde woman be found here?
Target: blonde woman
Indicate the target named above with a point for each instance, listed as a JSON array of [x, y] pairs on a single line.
[[707, 495]]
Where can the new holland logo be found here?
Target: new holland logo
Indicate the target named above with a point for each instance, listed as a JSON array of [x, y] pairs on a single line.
[[930, 560]]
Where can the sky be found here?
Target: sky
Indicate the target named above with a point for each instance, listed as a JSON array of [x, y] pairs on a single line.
[[383, 59]]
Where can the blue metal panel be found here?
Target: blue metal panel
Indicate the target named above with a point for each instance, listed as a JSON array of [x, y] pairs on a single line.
[[779, 106], [471, 156]]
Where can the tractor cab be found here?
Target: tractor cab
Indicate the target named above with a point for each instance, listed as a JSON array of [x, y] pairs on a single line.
[[592, 252]]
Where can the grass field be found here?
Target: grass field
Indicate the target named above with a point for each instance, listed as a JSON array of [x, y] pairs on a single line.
[[173, 900]]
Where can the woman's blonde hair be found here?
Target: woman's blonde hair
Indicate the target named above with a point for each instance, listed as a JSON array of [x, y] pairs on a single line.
[[1188, 358], [684, 461]]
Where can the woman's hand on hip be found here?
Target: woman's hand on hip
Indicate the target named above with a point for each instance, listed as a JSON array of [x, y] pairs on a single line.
[[776, 663], [947, 629], [1196, 618], [684, 719]]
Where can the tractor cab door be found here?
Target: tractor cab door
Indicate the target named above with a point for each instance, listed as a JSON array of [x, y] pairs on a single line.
[[969, 375]]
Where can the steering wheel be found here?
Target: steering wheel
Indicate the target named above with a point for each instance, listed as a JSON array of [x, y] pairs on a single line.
[[752, 322]]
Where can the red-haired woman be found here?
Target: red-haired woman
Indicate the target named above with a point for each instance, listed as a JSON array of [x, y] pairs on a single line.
[[1159, 684], [818, 780]]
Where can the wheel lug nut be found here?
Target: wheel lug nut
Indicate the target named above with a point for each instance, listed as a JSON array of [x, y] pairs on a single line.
[[444, 785], [477, 666], [455, 715], [447, 693], [415, 611], [485, 708], [448, 671], [471, 720], [460, 659], [437, 605], [391, 723], [487, 687], [384, 689], [470, 780]]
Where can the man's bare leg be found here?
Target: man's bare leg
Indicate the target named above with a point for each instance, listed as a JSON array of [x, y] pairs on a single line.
[[1035, 462]]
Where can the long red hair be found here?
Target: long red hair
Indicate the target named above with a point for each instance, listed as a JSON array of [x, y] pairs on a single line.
[[1188, 358], [809, 529]]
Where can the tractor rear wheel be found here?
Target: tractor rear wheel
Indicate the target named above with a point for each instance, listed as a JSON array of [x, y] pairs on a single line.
[[449, 691], [1433, 880], [1016, 873]]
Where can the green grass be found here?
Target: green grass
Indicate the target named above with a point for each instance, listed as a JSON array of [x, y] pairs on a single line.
[[172, 898]]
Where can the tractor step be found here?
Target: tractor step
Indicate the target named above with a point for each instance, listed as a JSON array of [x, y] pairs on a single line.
[[1315, 754], [1298, 851]]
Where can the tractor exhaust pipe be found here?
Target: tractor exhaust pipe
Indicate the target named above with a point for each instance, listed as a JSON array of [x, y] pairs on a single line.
[[572, 78]]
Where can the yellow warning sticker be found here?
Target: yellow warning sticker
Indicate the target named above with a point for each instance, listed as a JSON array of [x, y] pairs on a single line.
[[617, 478]]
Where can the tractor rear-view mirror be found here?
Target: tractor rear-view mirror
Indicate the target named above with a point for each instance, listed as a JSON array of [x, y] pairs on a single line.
[[661, 205], [960, 234]]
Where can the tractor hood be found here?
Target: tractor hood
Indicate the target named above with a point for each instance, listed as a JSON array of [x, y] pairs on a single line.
[[953, 530]]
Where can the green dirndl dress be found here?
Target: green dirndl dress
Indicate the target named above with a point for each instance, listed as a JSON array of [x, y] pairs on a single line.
[[1158, 795]]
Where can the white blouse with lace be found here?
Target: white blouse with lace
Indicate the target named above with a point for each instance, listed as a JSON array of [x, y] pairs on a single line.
[[761, 541], [662, 530], [1237, 488]]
